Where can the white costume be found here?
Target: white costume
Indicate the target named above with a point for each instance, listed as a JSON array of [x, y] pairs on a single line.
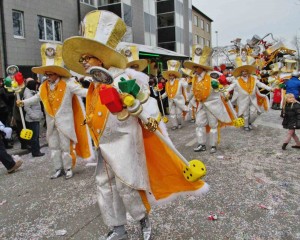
[[60, 127], [247, 101], [209, 108]]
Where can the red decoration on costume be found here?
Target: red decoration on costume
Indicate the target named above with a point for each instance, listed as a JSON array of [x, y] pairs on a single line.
[[111, 99], [222, 80], [19, 78], [160, 86], [223, 67]]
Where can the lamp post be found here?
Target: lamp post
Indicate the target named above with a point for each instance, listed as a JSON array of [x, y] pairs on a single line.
[[216, 32]]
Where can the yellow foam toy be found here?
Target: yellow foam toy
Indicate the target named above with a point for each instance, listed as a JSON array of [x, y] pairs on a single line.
[[26, 134], [194, 171]]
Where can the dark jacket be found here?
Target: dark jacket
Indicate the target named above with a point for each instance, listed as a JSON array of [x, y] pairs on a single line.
[[291, 118]]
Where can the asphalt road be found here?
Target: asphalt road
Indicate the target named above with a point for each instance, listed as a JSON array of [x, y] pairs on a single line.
[[254, 190]]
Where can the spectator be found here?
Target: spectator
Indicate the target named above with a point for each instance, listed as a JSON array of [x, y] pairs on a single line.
[[5, 158], [293, 85], [33, 116]]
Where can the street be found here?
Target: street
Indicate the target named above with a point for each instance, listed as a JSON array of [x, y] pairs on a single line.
[[254, 191]]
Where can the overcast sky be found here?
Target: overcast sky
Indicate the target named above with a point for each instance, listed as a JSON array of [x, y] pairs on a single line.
[[245, 18]]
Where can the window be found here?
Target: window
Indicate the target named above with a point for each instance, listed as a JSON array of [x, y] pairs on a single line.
[[115, 8], [127, 15], [197, 39], [107, 2], [165, 6], [49, 29], [165, 20], [170, 46], [208, 43], [202, 24], [18, 23], [89, 2], [196, 21], [207, 28]]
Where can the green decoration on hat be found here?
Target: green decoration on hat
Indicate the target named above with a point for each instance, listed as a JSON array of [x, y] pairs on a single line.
[[7, 82], [215, 84]]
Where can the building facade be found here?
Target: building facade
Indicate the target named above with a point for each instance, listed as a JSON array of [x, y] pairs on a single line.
[[25, 25], [201, 28], [28, 24]]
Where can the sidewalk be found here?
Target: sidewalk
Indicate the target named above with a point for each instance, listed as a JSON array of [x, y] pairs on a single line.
[[254, 190]]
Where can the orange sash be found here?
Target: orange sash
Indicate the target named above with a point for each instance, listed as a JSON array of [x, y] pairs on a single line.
[[172, 89], [249, 85], [96, 113], [201, 89], [52, 99]]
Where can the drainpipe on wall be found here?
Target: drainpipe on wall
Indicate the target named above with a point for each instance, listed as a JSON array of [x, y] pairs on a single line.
[[3, 39], [78, 11]]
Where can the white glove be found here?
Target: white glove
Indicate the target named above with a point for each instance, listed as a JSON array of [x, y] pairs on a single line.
[[8, 132]]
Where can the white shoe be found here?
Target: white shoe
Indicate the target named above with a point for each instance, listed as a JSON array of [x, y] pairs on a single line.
[[69, 173], [57, 174], [146, 227], [179, 126], [112, 235]]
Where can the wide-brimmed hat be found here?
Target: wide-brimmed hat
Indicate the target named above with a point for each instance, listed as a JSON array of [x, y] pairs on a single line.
[[102, 31], [132, 55], [200, 57], [52, 61], [187, 71], [242, 64], [275, 67], [173, 68], [289, 66], [153, 69]]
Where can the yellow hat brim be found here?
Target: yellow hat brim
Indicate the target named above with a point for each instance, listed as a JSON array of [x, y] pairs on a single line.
[[284, 69], [143, 63], [52, 68], [191, 65], [237, 72], [186, 73], [166, 74], [75, 47]]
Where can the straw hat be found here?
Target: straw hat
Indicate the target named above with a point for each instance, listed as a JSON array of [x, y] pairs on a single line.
[[187, 72], [173, 68], [153, 69], [289, 65], [52, 61], [102, 31], [275, 67], [242, 63], [132, 55], [200, 58]]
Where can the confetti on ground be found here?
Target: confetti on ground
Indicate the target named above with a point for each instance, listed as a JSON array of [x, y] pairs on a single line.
[[61, 232]]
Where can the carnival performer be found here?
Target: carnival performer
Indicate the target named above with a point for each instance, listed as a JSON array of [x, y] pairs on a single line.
[[176, 93], [188, 74], [250, 101], [211, 108], [64, 112], [125, 151]]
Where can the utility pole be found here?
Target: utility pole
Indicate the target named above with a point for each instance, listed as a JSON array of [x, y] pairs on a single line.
[[217, 48]]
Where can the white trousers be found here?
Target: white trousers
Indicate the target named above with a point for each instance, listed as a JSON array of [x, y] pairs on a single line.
[[115, 198], [175, 115], [203, 118], [59, 146], [250, 114]]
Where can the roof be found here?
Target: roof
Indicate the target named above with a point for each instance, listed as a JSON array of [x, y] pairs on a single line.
[[151, 50], [201, 13]]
